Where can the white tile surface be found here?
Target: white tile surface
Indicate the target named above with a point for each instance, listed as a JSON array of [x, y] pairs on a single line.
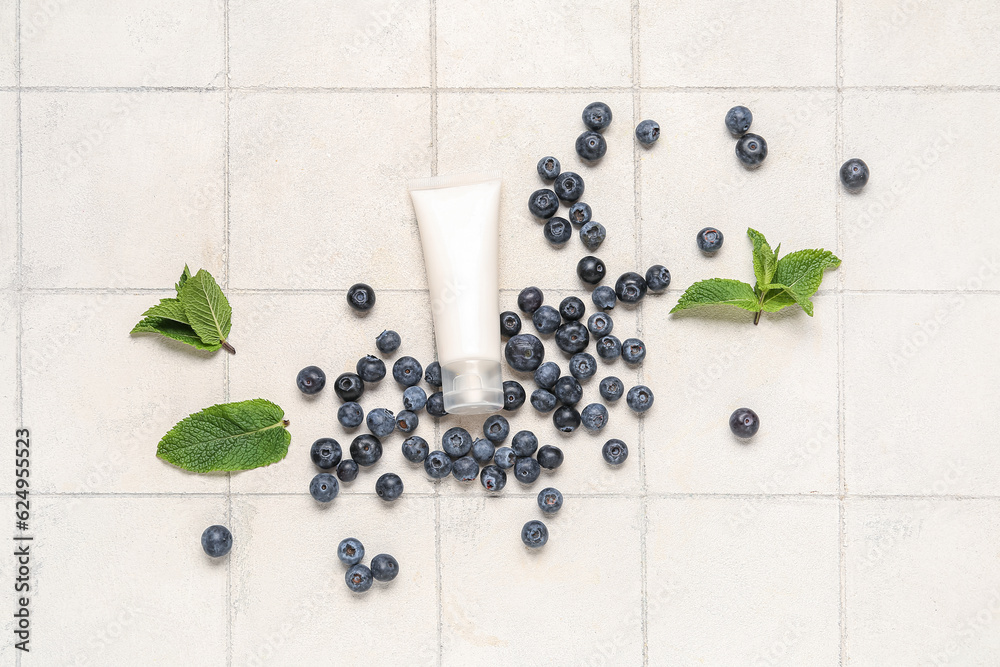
[[8, 188], [8, 43]]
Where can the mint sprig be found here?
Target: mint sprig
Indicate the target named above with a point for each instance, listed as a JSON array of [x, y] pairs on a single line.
[[199, 316], [783, 282]]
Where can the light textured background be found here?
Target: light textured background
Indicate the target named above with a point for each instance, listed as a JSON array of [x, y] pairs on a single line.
[[269, 142]]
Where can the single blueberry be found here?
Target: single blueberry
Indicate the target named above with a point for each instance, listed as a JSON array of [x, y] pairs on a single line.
[[407, 421], [325, 453], [709, 240], [549, 457], [543, 203], [358, 578], [657, 278], [366, 449], [389, 487], [609, 347], [407, 371], [529, 300], [217, 541], [311, 380], [347, 471], [432, 374], [633, 350], [593, 234], [614, 451], [384, 567], [647, 132], [415, 449], [582, 365], [414, 399], [349, 386], [557, 231], [744, 422], [324, 487], [465, 469], [591, 270], [591, 146], [547, 374], [482, 451], [437, 464], [504, 457], [639, 398], [527, 470], [534, 534], [388, 341], [597, 116], [579, 214], [435, 405], [572, 337], [370, 368], [568, 390], [630, 287], [493, 478], [751, 149], [513, 395], [604, 297], [854, 174], [351, 551], [524, 443], [524, 353], [572, 308], [611, 388], [546, 319], [600, 324], [738, 120], [594, 417], [543, 400], [361, 297], [350, 415], [566, 418], [510, 323], [548, 168], [381, 422], [456, 441], [496, 428], [568, 187], [550, 500]]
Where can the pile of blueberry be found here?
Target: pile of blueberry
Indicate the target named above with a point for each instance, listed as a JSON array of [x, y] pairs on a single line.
[[359, 576]]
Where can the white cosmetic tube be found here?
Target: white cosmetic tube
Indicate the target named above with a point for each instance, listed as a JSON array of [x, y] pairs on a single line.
[[458, 217]]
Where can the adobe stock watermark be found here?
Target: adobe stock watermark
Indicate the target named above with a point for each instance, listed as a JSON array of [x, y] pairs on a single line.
[[958, 650], [901, 15], [376, 22], [707, 36], [775, 653]]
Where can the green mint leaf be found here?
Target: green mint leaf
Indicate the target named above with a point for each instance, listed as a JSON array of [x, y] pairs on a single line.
[[173, 329], [229, 436], [800, 273], [184, 279], [789, 295], [776, 299], [718, 291], [207, 309], [169, 309], [765, 260]]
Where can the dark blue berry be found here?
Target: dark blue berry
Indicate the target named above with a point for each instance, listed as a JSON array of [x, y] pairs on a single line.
[[414, 399], [604, 297], [633, 350], [534, 534], [311, 380], [630, 287], [594, 417], [505, 457], [550, 500], [350, 415], [657, 278], [407, 421], [482, 451], [611, 388], [349, 386], [543, 400], [591, 146], [709, 240], [510, 323], [389, 487], [465, 469], [407, 371], [600, 324], [496, 428], [597, 116], [415, 449], [388, 341], [591, 270], [854, 174], [524, 353], [738, 120], [347, 471], [381, 422], [370, 368], [493, 478], [614, 452], [325, 453], [579, 214], [639, 398], [543, 203], [217, 541], [437, 464], [384, 567], [513, 395], [358, 578], [568, 187], [582, 365], [572, 337], [647, 132], [366, 449], [529, 300], [568, 390], [350, 551], [524, 443], [527, 470], [566, 418], [546, 319], [324, 487], [593, 234], [557, 231], [456, 441], [751, 149], [547, 374], [435, 405], [361, 297], [548, 168], [549, 457], [609, 347], [572, 308], [432, 374], [744, 422]]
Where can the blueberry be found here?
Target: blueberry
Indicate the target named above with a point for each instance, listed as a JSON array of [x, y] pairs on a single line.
[[548, 168], [527, 470], [557, 231], [347, 471], [543, 400], [381, 422], [549, 457], [630, 287], [600, 324], [435, 405], [389, 487], [349, 386], [614, 451], [639, 398], [361, 297], [582, 365], [592, 234], [566, 418], [505, 457], [547, 374], [414, 399], [524, 443], [572, 308], [744, 422], [611, 388], [358, 578], [603, 297], [657, 278], [407, 371], [350, 415], [647, 132], [597, 116], [493, 478], [591, 146], [568, 390], [407, 421], [432, 374], [738, 120], [579, 214], [325, 453], [709, 240], [529, 300], [217, 541], [366, 449], [437, 464], [543, 203], [513, 395], [569, 187], [546, 319], [482, 451], [524, 353], [609, 347], [633, 350], [854, 174], [594, 417], [311, 380], [496, 428], [388, 341], [550, 500], [572, 337], [324, 487], [384, 567], [456, 441], [510, 323], [415, 449], [751, 149], [351, 551], [370, 368], [534, 534], [591, 270]]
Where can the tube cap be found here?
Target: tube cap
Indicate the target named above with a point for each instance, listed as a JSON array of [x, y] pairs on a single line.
[[472, 386]]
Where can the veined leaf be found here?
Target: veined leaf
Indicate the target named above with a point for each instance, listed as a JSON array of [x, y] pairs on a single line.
[[718, 291], [184, 278], [168, 309], [173, 329], [207, 308], [765, 260]]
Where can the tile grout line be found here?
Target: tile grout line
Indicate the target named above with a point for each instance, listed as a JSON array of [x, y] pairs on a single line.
[[841, 481], [676, 495], [432, 27], [225, 365], [18, 363]]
